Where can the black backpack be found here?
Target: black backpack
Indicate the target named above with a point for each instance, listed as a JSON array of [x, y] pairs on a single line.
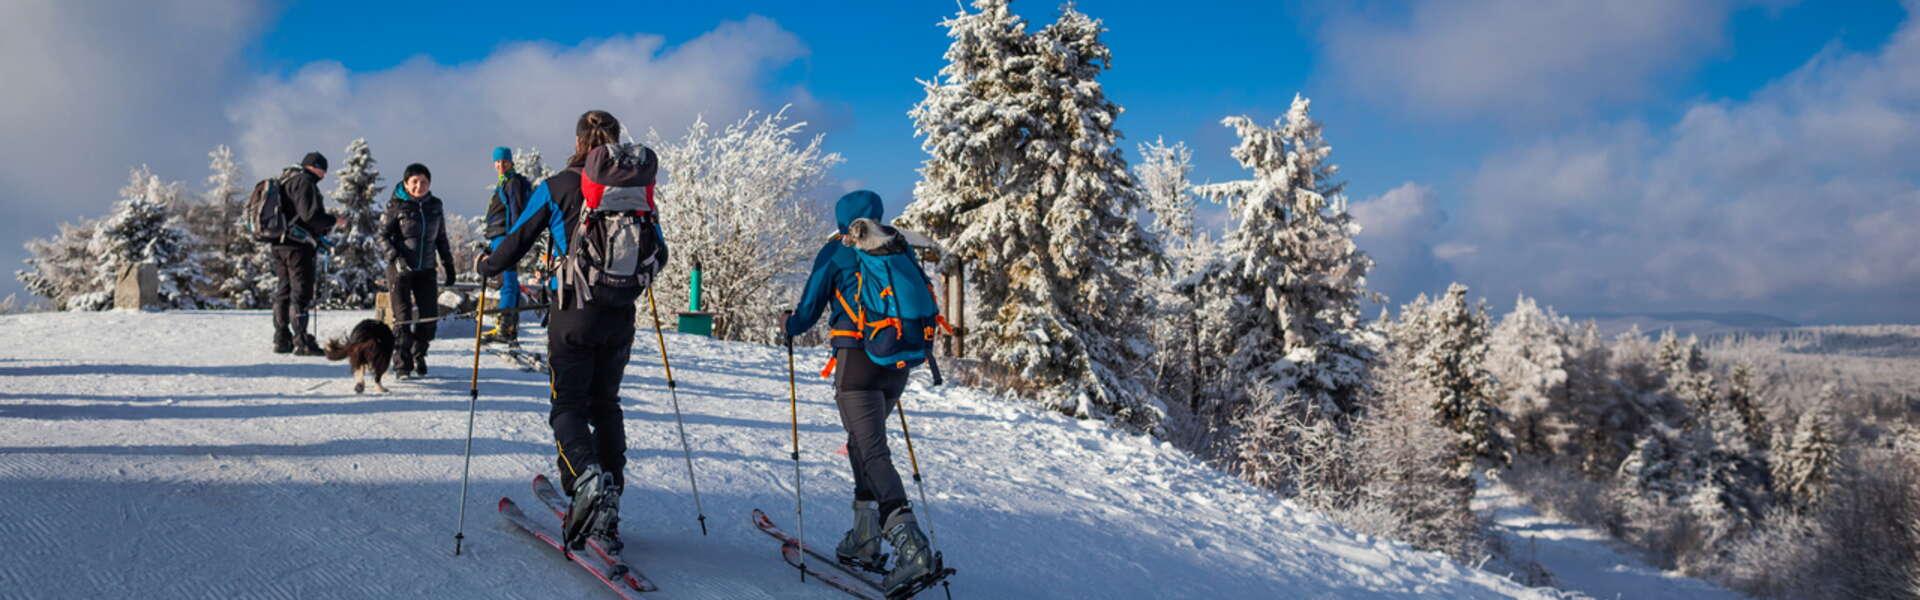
[[616, 248], [267, 212]]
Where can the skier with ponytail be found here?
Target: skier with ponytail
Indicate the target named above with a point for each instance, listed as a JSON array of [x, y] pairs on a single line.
[[606, 246]]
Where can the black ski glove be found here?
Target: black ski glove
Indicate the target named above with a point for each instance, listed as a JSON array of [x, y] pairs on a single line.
[[447, 281]]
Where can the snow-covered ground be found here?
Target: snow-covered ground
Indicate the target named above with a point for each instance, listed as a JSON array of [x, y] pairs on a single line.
[[172, 455], [1580, 558]]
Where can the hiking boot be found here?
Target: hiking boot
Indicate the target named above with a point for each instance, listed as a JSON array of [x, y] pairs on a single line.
[[591, 490], [914, 565], [402, 368], [420, 360], [860, 547], [282, 344], [307, 347]]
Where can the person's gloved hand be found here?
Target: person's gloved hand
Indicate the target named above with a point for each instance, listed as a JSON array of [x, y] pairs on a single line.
[[447, 280]]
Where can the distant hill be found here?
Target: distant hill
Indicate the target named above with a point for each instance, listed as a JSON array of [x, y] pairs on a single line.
[[1687, 322]]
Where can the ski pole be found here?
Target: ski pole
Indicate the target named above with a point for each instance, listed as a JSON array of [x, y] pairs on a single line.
[[915, 461], [473, 402], [793, 404], [685, 449]]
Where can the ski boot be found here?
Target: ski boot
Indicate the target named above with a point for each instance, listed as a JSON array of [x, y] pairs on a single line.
[[861, 546], [915, 567], [608, 533], [306, 346], [592, 490]]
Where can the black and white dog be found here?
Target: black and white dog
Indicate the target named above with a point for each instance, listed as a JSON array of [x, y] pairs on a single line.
[[369, 347]]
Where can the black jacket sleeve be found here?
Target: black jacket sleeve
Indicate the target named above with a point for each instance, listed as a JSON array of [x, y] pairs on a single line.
[[443, 248], [390, 233], [497, 213]]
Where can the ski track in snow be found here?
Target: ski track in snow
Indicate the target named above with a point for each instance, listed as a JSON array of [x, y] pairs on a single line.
[[1579, 557], [172, 455]]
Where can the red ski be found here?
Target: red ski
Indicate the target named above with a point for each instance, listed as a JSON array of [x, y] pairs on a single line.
[[514, 515], [618, 567]]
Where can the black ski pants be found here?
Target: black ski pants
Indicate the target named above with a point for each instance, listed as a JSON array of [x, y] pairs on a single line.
[[293, 264], [867, 394], [413, 295], [588, 349]]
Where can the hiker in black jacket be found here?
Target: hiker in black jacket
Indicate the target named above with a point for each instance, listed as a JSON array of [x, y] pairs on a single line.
[[413, 226], [591, 322], [293, 259], [509, 199]]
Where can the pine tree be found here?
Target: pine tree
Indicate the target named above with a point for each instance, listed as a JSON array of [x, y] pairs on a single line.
[[1163, 173], [1806, 468], [357, 264], [238, 276], [1286, 285], [1446, 340], [63, 268], [527, 163], [1025, 182], [143, 230], [1528, 354]]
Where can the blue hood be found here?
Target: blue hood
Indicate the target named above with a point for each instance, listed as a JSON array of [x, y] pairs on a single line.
[[860, 204]]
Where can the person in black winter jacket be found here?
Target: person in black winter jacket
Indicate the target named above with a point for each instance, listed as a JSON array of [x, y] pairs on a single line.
[[588, 341], [509, 200], [293, 260], [413, 226]]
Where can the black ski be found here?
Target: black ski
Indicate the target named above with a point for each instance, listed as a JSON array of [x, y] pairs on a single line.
[[766, 525]]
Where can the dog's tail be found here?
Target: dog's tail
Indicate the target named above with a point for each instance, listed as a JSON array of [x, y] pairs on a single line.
[[337, 349]]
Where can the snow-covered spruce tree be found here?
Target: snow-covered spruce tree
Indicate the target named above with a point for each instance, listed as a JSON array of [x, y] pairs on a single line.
[[144, 230], [737, 201], [1025, 183], [528, 163], [1407, 464], [1163, 173], [238, 274], [1528, 354], [63, 268], [1805, 469], [1445, 341], [357, 265], [1285, 289]]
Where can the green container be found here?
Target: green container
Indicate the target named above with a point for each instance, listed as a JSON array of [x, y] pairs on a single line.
[[695, 321]]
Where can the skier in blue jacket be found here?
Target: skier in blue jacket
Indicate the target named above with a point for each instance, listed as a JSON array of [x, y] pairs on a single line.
[[865, 393]]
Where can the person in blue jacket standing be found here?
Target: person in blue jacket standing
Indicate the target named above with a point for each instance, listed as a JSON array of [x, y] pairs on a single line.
[[866, 394], [509, 199]]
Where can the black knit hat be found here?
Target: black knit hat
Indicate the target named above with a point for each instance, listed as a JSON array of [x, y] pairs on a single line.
[[415, 169], [314, 159]]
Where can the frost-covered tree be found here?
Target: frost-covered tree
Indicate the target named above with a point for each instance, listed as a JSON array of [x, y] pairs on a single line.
[[1284, 291], [1445, 341], [1528, 354], [1805, 469], [528, 163], [357, 265], [238, 272], [736, 200], [1164, 174], [1025, 183], [64, 270], [143, 230]]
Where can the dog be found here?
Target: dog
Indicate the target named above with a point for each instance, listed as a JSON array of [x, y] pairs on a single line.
[[369, 347]]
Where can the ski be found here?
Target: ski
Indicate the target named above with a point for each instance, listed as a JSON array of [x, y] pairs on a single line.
[[520, 519], [766, 525], [531, 362], [865, 590], [618, 567], [791, 549]]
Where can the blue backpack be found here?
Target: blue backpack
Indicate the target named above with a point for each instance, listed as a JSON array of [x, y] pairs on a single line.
[[893, 304]]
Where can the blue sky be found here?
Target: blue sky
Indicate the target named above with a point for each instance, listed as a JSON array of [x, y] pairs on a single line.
[[1516, 146]]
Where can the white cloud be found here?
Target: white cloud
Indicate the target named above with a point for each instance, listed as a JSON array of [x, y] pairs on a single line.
[[1803, 201], [529, 94], [1398, 230], [1520, 59], [94, 88]]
